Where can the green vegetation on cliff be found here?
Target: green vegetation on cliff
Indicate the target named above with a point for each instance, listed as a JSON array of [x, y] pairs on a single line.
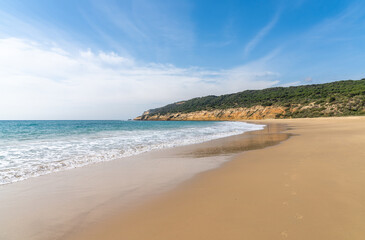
[[340, 98]]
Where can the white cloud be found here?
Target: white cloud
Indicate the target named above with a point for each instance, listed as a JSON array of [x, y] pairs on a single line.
[[47, 82], [308, 79]]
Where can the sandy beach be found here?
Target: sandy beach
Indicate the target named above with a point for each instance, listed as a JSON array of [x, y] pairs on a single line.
[[61, 204], [310, 186], [182, 120]]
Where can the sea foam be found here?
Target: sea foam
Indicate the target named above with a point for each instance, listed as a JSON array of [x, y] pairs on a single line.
[[34, 148]]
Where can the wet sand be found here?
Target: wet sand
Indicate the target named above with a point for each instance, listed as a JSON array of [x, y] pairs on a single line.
[[311, 186], [59, 205]]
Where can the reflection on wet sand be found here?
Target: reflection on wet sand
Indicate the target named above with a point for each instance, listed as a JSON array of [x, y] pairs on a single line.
[[271, 135]]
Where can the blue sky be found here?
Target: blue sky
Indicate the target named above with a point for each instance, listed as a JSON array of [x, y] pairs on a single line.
[[114, 59]]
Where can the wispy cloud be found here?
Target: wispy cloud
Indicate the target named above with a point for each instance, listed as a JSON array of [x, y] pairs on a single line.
[[261, 34], [123, 20], [345, 20], [308, 80], [149, 23], [330, 49], [47, 82], [18, 25]]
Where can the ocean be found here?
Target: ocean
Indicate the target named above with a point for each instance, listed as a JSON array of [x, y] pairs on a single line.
[[35, 148]]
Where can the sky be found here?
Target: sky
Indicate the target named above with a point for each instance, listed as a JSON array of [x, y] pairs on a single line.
[[115, 59]]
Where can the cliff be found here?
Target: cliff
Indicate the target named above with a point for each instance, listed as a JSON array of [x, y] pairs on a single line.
[[342, 98], [258, 112], [252, 113]]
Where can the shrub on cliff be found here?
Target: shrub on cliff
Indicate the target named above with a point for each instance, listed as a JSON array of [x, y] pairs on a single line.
[[348, 96]]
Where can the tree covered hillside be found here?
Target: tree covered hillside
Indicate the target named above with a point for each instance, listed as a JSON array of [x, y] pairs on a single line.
[[339, 98]]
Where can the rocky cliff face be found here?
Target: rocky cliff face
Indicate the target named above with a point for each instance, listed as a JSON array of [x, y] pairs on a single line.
[[256, 112], [263, 112]]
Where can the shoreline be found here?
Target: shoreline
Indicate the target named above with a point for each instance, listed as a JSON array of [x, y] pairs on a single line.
[[53, 152], [58, 205], [309, 187]]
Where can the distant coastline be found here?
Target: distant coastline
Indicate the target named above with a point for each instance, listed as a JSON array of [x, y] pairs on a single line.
[[341, 98]]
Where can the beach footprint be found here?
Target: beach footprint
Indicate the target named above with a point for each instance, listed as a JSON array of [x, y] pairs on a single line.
[[299, 216], [284, 234]]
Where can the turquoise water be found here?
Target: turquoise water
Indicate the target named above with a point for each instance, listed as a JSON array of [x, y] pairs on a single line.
[[34, 148]]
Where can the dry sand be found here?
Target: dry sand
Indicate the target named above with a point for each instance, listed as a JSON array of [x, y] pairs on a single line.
[[311, 186]]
